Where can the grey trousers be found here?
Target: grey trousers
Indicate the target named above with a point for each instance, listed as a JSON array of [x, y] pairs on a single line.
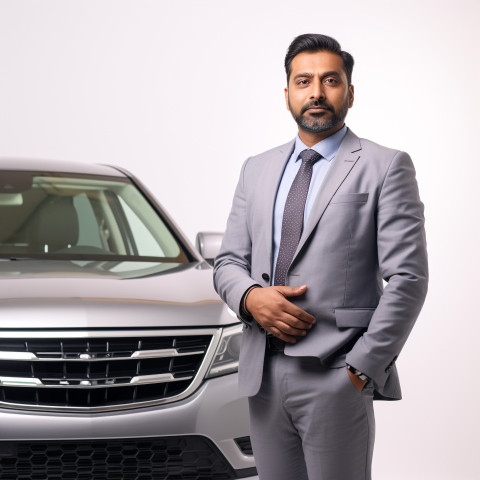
[[309, 422]]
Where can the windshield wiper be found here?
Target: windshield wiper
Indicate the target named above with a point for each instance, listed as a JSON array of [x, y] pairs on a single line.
[[5, 259]]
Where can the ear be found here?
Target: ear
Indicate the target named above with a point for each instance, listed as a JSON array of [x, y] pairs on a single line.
[[286, 98], [351, 96]]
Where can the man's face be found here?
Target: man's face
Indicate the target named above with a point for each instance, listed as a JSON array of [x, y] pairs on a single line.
[[318, 95]]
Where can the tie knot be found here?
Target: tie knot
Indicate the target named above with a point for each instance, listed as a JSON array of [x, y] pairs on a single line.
[[309, 156]]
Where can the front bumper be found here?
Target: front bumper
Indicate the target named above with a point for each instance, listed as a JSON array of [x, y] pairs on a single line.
[[214, 411]]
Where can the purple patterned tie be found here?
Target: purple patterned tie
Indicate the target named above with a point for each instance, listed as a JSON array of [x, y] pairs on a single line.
[[292, 223]]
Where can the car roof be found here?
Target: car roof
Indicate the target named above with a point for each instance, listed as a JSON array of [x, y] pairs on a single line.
[[58, 166]]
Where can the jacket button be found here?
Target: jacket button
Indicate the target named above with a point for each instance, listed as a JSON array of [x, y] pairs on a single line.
[[266, 277]]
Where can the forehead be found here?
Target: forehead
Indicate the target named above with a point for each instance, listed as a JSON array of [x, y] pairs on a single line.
[[316, 63]]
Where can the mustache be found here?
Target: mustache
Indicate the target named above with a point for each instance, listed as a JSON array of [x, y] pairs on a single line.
[[316, 103]]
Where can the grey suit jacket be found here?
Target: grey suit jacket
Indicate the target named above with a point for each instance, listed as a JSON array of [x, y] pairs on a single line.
[[366, 225]]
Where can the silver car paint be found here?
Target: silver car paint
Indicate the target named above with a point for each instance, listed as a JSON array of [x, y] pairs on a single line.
[[32, 297], [184, 298]]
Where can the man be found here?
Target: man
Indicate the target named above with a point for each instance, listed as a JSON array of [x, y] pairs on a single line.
[[315, 227]]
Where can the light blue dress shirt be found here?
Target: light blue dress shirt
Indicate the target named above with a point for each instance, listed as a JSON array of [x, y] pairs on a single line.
[[327, 148]]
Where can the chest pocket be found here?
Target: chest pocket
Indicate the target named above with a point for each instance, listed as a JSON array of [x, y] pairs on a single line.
[[349, 198]]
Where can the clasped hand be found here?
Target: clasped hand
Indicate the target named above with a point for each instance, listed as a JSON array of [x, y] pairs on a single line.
[[274, 312]]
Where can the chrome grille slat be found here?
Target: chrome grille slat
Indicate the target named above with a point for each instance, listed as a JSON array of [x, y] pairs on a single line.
[[102, 370], [81, 357], [72, 383]]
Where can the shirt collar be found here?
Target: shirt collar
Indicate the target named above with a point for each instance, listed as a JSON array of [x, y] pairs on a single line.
[[327, 147]]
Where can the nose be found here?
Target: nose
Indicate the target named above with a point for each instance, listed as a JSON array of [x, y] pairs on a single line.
[[317, 92]]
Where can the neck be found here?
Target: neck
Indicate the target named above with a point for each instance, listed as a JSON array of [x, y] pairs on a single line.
[[311, 139]]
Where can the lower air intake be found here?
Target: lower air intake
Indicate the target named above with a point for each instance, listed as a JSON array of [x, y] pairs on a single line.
[[245, 445], [166, 458]]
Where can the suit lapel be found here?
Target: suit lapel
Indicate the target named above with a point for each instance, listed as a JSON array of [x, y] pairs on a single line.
[[347, 156], [276, 165]]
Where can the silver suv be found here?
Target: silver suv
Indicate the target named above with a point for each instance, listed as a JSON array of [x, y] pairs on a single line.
[[117, 358]]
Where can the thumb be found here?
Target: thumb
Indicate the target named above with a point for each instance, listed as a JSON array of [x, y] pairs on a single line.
[[292, 291]]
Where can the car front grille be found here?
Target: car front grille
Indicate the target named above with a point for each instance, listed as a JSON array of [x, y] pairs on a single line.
[[165, 458], [99, 370]]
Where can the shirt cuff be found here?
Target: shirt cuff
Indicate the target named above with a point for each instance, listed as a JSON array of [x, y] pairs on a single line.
[[243, 308]]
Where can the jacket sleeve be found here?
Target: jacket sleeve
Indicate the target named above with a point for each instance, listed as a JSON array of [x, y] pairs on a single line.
[[402, 258], [232, 269]]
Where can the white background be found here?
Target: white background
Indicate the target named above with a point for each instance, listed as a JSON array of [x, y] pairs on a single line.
[[181, 92]]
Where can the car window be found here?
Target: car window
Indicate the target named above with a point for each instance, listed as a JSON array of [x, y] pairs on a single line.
[[88, 228], [78, 217], [143, 238]]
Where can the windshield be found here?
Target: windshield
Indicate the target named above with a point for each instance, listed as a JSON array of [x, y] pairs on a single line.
[[62, 216]]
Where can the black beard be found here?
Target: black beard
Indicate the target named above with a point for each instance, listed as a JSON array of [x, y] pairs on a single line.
[[317, 125]]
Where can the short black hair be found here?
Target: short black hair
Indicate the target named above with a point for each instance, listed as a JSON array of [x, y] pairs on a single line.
[[315, 42]]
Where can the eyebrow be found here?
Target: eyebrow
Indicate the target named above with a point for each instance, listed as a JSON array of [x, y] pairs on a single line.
[[310, 75]]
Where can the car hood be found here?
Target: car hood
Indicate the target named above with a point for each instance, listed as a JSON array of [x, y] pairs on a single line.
[[105, 294]]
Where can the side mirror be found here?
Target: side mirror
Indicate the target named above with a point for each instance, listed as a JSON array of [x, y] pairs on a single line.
[[208, 244]]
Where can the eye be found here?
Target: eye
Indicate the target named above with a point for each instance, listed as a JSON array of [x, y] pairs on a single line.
[[331, 81], [302, 82]]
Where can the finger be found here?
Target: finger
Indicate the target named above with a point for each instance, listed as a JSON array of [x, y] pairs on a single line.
[[292, 308], [294, 322], [289, 330], [282, 336], [292, 291], [285, 321], [288, 318], [298, 313]]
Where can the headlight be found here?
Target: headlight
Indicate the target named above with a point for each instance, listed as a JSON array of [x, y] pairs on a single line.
[[228, 350]]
